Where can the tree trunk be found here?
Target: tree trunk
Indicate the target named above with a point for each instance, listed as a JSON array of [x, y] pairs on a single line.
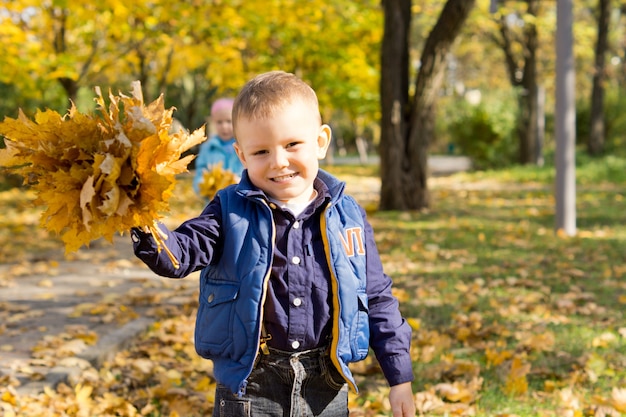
[[528, 110], [59, 16], [394, 95], [59, 42], [407, 127], [595, 144], [526, 83], [70, 86], [527, 123]]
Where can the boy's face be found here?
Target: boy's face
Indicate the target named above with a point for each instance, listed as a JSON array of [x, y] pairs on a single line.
[[223, 123], [282, 152]]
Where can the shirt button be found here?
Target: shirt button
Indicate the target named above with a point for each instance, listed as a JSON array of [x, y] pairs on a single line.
[[295, 260], [297, 302], [295, 344], [296, 225]]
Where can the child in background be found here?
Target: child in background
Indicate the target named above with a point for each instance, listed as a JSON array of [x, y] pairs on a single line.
[[219, 148], [292, 288]]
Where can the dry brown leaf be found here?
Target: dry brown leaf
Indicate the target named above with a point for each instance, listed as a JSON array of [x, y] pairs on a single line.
[[427, 402], [460, 391], [605, 340], [539, 342], [618, 399], [568, 399]]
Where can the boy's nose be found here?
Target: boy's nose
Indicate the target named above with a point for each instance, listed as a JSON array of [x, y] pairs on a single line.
[[280, 159]]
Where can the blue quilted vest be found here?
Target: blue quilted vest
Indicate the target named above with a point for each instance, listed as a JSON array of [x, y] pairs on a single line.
[[232, 293]]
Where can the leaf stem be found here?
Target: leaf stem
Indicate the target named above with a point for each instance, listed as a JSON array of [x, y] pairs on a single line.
[[159, 238]]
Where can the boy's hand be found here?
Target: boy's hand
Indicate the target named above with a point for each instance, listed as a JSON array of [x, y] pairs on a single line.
[[402, 401], [136, 233]]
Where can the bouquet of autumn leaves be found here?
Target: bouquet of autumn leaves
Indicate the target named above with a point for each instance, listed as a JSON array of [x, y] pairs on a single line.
[[101, 174]]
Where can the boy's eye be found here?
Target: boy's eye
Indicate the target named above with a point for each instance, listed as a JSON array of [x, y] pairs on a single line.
[[261, 152], [292, 144]]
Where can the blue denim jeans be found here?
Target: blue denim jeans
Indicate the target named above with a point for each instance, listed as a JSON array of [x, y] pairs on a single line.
[[283, 384]]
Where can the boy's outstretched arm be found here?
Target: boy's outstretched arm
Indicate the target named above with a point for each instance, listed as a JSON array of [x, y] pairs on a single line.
[[402, 400]]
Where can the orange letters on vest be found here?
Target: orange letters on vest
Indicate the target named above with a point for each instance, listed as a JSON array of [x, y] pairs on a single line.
[[352, 239]]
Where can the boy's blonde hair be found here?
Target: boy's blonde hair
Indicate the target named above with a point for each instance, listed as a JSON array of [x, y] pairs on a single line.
[[266, 93]]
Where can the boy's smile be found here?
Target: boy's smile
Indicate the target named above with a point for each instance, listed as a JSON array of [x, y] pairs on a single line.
[[283, 178], [282, 151]]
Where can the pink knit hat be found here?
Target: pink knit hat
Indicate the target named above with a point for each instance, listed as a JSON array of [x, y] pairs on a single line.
[[222, 103]]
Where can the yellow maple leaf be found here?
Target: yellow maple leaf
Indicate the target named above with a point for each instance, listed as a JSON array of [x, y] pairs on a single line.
[[516, 381], [415, 323], [9, 398], [496, 357], [214, 180], [83, 395], [205, 384]]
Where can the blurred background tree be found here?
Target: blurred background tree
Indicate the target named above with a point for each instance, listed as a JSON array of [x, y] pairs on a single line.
[[495, 100], [58, 50]]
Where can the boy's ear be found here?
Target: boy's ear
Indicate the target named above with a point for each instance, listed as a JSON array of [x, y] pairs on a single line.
[[323, 141], [240, 154]]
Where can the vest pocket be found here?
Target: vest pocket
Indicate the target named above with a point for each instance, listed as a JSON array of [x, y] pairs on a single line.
[[361, 330], [214, 322]]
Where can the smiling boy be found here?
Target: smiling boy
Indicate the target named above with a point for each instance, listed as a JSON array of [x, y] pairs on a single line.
[[292, 289]]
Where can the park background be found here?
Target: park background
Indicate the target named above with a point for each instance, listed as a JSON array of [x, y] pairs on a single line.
[[510, 317]]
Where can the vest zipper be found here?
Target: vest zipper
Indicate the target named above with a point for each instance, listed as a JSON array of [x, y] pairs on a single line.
[[336, 307], [266, 280]]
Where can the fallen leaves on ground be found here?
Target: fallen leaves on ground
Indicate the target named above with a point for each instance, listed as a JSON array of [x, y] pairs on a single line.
[[507, 321], [160, 375]]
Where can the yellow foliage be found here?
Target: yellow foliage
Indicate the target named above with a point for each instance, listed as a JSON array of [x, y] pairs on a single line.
[[100, 174], [214, 180]]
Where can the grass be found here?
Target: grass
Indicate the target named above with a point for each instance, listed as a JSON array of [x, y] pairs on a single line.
[[589, 171]]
